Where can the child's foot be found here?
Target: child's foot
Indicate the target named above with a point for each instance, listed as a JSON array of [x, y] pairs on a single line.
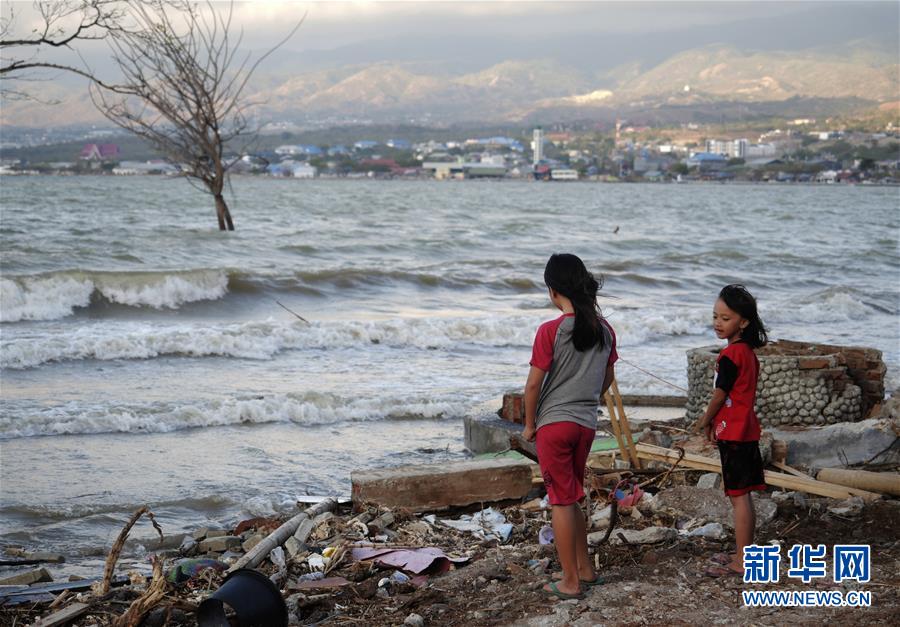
[[553, 588], [723, 559], [723, 570], [591, 580]]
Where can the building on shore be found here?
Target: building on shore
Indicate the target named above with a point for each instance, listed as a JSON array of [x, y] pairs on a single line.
[[537, 146]]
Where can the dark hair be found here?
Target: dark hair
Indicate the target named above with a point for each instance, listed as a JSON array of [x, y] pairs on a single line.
[[567, 275], [740, 301]]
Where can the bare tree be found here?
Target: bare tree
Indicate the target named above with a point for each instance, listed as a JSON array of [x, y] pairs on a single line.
[[62, 24], [182, 89]]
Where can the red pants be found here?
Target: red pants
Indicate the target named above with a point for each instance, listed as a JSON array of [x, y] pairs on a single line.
[[562, 449]]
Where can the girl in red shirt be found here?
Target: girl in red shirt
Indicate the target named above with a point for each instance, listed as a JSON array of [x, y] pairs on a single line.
[[730, 419]]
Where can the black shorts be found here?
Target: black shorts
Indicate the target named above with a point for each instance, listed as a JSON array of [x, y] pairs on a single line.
[[742, 467]]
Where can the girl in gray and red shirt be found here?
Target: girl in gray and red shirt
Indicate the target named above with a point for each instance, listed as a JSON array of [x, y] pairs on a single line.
[[730, 419], [571, 367]]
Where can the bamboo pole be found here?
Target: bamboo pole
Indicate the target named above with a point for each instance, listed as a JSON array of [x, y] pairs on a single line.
[[809, 485], [278, 537], [885, 482]]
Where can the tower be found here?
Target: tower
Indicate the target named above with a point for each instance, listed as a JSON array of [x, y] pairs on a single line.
[[537, 145]]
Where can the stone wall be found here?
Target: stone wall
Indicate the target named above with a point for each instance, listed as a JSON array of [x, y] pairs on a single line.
[[800, 383]]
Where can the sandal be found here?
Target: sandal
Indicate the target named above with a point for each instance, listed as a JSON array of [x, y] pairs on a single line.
[[553, 589], [723, 559], [721, 571], [596, 581]]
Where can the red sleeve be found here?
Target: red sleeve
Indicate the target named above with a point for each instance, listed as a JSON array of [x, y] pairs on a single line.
[[542, 351], [613, 353]]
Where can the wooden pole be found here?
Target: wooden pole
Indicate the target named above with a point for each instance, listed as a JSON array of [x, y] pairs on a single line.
[[614, 423], [278, 537], [624, 426]]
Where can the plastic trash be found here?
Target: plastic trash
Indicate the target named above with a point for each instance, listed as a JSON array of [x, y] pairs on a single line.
[[399, 577], [254, 599], [545, 535]]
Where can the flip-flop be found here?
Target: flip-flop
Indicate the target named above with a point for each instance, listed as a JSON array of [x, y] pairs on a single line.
[[555, 591], [721, 571], [723, 559], [596, 581]]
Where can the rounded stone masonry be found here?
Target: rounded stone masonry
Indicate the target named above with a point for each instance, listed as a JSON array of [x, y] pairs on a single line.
[[799, 384]]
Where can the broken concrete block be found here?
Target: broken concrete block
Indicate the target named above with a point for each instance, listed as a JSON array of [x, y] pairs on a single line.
[[39, 575], [438, 486], [710, 480], [252, 541], [219, 544], [215, 533], [293, 547], [650, 535], [844, 443]]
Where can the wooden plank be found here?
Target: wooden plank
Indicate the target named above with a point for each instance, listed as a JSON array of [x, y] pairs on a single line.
[[63, 616], [623, 424], [439, 486], [808, 484], [614, 424], [789, 470]]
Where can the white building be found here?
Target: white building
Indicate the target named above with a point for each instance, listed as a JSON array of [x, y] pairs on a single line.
[[564, 174], [537, 145]]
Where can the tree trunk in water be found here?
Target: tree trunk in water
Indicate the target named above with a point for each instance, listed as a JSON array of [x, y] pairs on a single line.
[[223, 214]]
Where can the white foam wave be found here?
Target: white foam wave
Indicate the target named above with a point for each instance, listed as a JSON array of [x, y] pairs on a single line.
[[56, 296], [306, 409], [264, 339], [44, 298], [831, 305]]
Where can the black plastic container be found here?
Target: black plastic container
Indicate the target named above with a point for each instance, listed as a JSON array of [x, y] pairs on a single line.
[[254, 598]]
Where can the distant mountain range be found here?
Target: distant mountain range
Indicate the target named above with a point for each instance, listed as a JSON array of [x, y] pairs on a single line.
[[547, 89]]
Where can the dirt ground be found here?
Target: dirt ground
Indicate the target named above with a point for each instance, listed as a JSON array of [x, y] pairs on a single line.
[[501, 584]]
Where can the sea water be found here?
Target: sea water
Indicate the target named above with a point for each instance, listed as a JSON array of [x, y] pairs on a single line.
[[146, 358]]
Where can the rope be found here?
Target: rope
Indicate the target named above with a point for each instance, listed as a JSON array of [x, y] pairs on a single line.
[[650, 374]]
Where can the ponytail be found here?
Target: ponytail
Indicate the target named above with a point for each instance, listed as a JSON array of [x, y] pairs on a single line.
[[567, 275]]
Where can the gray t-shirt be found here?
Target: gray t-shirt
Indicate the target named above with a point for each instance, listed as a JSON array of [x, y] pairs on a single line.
[[574, 380]]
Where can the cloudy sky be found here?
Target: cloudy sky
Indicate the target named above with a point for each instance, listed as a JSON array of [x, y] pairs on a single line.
[[459, 37]]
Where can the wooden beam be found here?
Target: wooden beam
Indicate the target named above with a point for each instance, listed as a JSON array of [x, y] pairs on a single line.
[[808, 484], [63, 616], [885, 482], [789, 470]]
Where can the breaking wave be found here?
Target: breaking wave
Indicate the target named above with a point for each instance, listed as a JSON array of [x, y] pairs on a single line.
[[264, 339], [307, 409], [57, 295]]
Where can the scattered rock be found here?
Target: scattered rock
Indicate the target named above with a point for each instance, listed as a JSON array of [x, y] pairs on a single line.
[[655, 437], [710, 480], [188, 546], [39, 575], [253, 540], [219, 544], [414, 620], [851, 507]]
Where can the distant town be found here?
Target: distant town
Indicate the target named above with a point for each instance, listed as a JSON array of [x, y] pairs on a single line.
[[798, 151]]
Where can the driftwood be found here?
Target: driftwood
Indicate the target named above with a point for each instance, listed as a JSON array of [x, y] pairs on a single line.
[[278, 537], [116, 550], [155, 593]]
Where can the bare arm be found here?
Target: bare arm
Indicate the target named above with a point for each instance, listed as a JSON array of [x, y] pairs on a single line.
[[532, 394], [608, 378], [715, 404]]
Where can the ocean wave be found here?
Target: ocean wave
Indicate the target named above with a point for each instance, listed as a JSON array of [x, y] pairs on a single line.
[[57, 295], [834, 304], [309, 409], [265, 339], [46, 513]]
